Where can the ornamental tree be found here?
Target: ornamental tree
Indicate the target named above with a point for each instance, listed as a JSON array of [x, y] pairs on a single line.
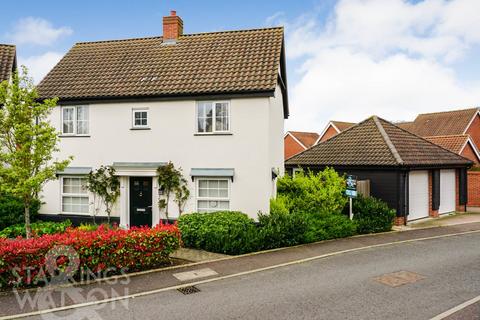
[[171, 180], [105, 186], [27, 141]]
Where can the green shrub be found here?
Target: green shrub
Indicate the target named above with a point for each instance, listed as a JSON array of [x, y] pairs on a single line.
[[38, 229], [328, 226], [12, 210], [316, 193], [226, 232], [89, 227], [372, 215], [280, 228]]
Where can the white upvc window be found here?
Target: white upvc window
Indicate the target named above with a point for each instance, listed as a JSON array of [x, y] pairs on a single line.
[[74, 195], [213, 194], [213, 116], [75, 120], [140, 118]]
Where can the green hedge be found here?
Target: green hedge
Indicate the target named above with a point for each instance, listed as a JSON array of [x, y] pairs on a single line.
[[226, 232], [372, 215], [38, 229], [234, 233], [308, 208], [12, 210]]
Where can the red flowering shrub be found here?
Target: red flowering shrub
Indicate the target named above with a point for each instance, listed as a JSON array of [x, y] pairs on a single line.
[[25, 262]]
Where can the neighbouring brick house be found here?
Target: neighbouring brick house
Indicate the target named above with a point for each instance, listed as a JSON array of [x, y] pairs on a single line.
[[333, 128], [457, 131], [8, 61], [297, 141], [413, 175]]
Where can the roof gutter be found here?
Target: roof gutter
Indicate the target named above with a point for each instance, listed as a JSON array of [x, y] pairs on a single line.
[[172, 97]]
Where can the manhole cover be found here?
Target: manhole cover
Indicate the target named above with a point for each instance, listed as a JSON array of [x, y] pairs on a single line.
[[399, 278], [189, 290]]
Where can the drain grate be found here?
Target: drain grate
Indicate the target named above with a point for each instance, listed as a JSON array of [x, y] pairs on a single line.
[[189, 290]]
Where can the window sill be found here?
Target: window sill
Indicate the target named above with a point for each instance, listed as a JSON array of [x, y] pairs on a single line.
[[73, 136], [214, 134], [140, 129]]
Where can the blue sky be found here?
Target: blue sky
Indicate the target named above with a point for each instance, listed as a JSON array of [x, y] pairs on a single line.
[[346, 59]]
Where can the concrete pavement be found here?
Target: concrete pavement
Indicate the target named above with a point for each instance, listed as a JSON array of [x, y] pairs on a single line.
[[292, 261]]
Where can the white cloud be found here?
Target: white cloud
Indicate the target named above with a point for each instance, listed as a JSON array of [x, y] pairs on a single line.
[[39, 66], [390, 58], [37, 31]]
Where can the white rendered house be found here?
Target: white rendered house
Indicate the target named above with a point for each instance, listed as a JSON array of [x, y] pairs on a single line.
[[212, 103]]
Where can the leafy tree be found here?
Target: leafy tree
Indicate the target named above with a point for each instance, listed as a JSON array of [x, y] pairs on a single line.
[[105, 185], [171, 180], [316, 193], [27, 142], [182, 193]]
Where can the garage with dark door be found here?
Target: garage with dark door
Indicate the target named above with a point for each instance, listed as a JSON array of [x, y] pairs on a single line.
[[415, 177]]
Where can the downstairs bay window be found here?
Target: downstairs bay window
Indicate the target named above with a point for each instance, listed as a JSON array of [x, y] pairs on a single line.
[[74, 195]]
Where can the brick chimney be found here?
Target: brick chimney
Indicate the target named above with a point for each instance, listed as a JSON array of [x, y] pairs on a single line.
[[172, 27]]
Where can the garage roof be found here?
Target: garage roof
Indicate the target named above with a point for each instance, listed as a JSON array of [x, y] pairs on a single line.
[[377, 142], [7, 61]]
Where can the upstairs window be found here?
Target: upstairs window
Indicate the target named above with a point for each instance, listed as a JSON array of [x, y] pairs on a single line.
[[140, 118], [213, 117], [75, 120]]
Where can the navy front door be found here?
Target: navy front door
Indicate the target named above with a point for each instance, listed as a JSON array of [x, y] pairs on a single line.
[[140, 201]]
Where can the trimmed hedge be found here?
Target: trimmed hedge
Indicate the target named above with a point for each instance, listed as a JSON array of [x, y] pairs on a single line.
[[226, 232], [38, 229], [235, 233], [98, 251], [308, 208], [12, 210]]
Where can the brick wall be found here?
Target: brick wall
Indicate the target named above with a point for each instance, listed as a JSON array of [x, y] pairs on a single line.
[[470, 154], [473, 189], [458, 207], [329, 133], [291, 147], [474, 131]]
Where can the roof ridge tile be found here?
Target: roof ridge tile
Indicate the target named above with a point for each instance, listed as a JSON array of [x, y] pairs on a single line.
[[389, 142]]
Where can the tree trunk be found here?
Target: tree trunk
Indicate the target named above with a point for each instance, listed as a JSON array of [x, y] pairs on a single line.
[[28, 229], [166, 206]]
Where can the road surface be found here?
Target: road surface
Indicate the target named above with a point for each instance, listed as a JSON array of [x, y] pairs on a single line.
[[446, 270]]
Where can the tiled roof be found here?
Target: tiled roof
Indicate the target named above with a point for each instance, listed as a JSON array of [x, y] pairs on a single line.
[[308, 139], [204, 63], [407, 125], [7, 61], [442, 123], [341, 125], [376, 142], [454, 143]]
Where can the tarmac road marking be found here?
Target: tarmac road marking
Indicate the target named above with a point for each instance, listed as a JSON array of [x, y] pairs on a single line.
[[456, 309]]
